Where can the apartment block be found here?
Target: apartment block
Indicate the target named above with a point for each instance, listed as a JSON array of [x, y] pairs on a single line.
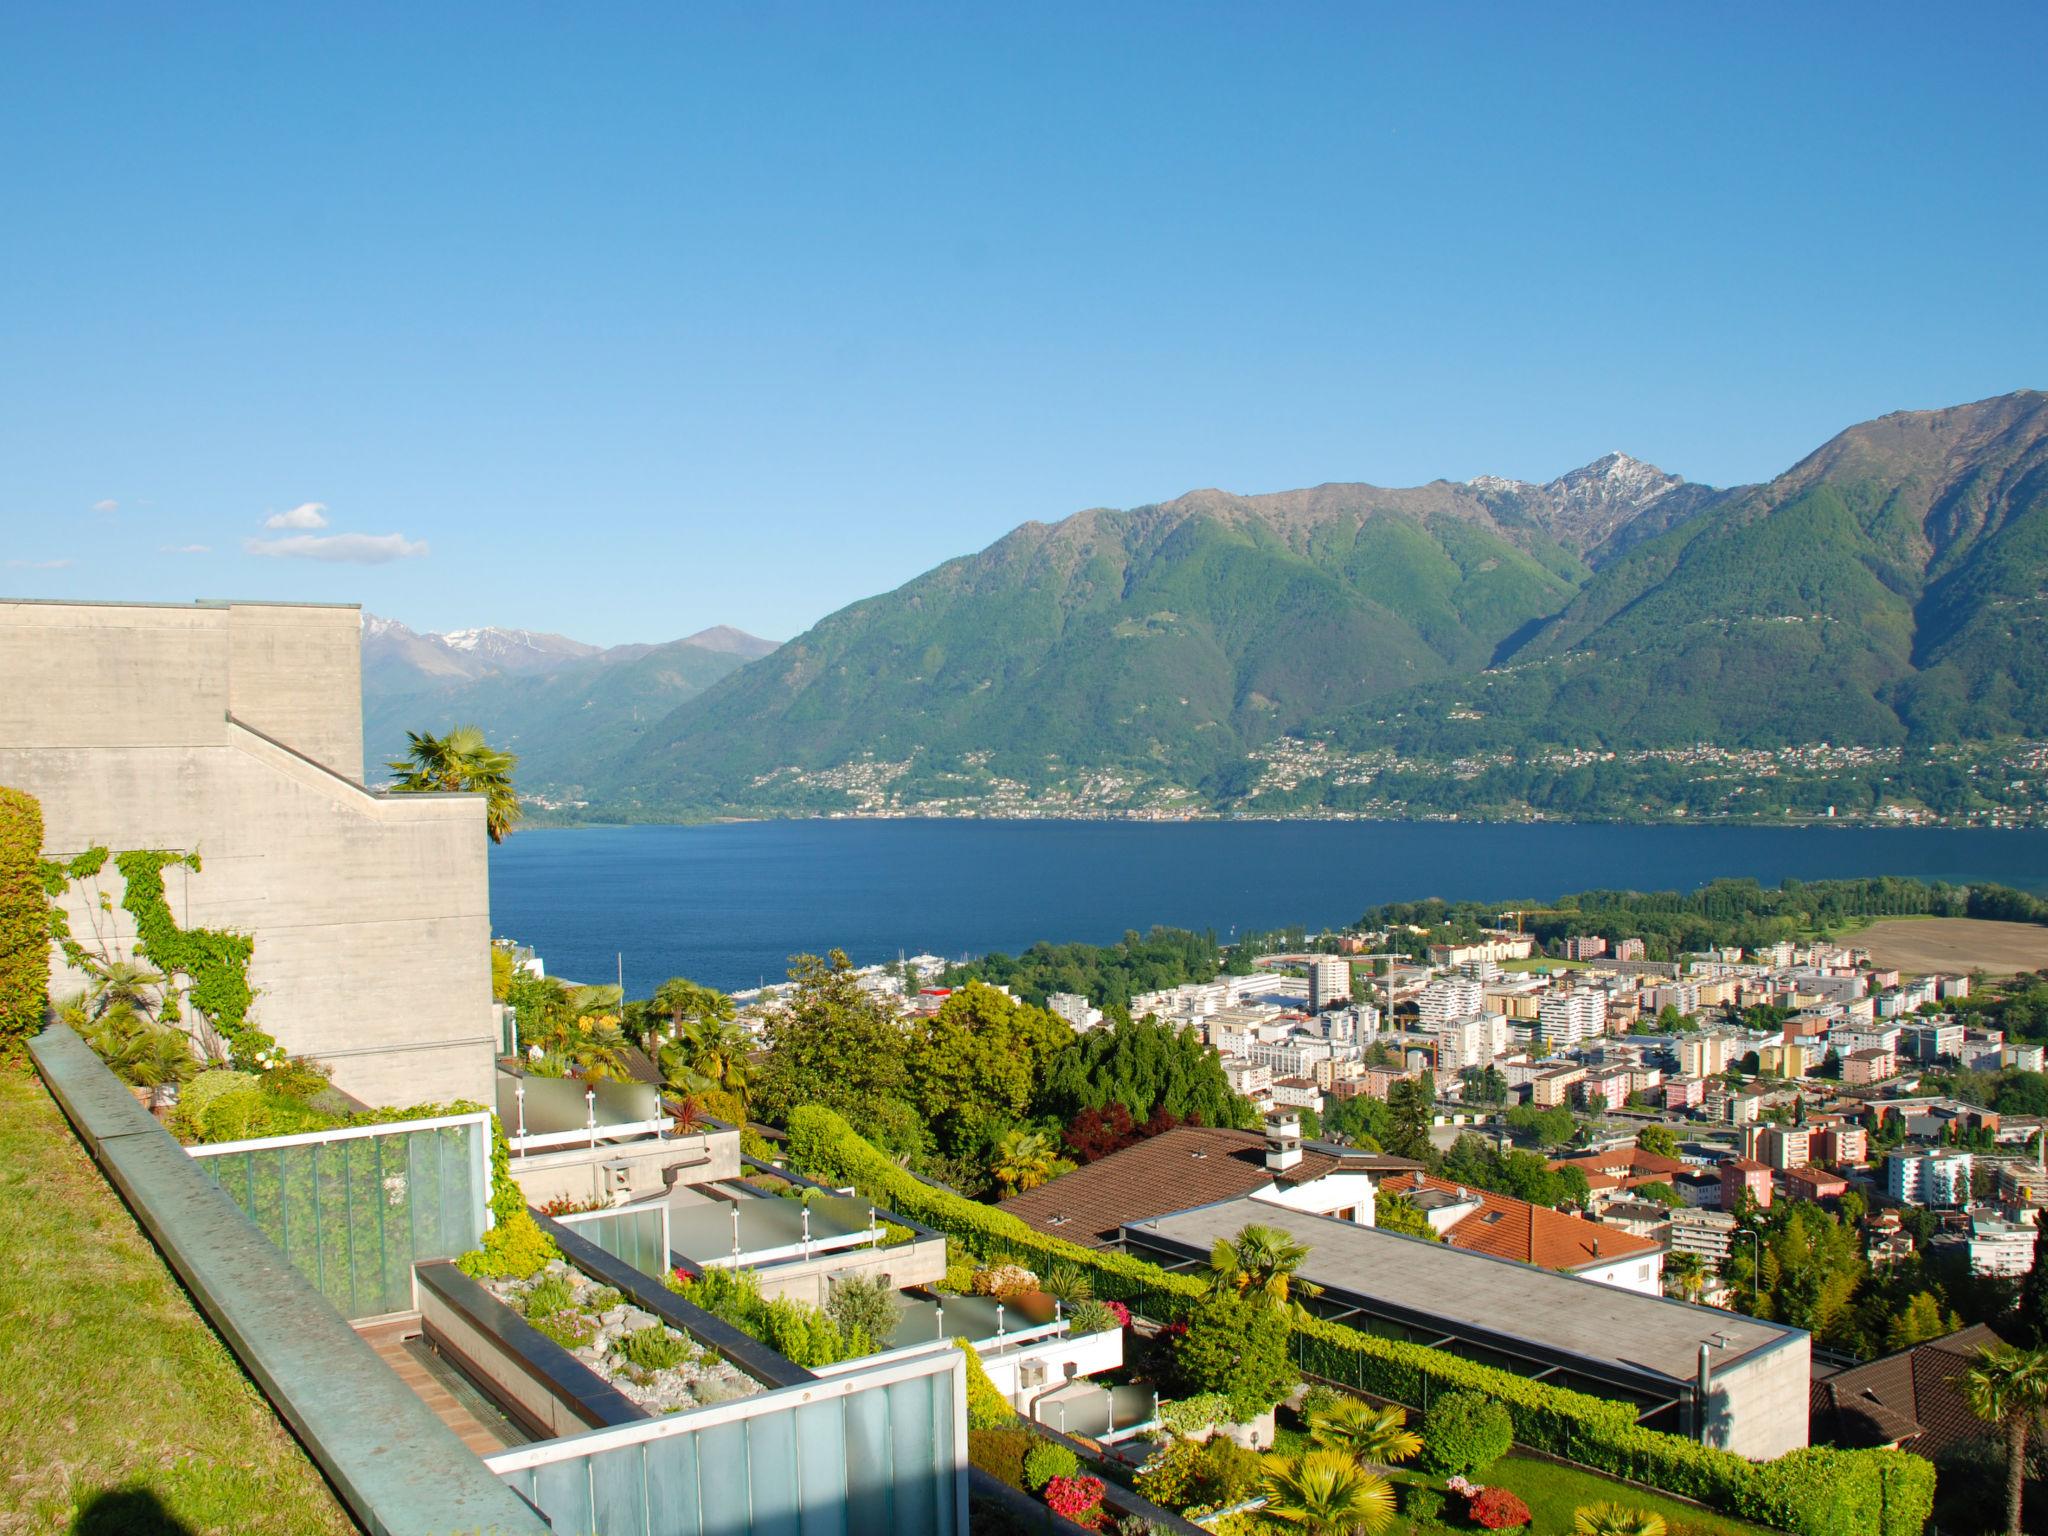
[[1934, 1179]]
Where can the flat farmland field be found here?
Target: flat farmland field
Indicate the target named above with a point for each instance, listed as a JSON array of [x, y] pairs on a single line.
[[1953, 944]]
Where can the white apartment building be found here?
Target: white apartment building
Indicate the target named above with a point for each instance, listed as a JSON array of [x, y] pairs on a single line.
[[1999, 1247], [1329, 981], [1848, 1041], [1247, 1078], [1075, 1009], [1200, 999], [1682, 995], [1450, 997], [1928, 1178], [1710, 1234], [1566, 1018], [1295, 1056]]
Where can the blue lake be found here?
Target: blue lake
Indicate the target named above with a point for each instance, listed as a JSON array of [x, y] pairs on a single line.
[[728, 905]]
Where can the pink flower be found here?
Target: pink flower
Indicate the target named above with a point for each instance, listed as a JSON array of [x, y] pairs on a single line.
[[1122, 1312], [1073, 1497]]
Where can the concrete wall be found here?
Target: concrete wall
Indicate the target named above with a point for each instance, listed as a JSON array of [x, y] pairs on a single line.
[[1758, 1406], [235, 730], [578, 1173], [921, 1262]]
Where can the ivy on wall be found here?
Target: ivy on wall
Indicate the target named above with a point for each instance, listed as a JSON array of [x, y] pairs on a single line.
[[24, 931], [213, 961]]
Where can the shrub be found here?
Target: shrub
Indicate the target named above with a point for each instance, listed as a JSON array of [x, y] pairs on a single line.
[[1423, 1505], [24, 922], [601, 1300], [1229, 1472], [986, 1407], [653, 1348], [960, 1270], [1813, 1492], [1001, 1453], [1495, 1509], [1046, 1461], [1239, 1349], [1318, 1400], [1465, 1433], [1186, 1415], [1003, 1281], [867, 1306], [515, 1246], [1074, 1497]]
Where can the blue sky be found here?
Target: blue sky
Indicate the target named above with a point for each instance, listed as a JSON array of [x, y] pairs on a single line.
[[624, 320]]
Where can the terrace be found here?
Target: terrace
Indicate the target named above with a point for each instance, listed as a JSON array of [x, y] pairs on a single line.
[[433, 1401]]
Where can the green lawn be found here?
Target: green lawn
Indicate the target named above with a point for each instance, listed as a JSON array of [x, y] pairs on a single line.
[[120, 1409], [1552, 1492]]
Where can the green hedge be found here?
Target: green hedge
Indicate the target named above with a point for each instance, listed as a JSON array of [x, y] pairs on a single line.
[[24, 922], [1819, 1491]]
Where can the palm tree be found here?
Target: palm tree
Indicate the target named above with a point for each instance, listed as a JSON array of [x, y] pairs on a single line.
[[124, 984], [1326, 1493], [1368, 1435], [1260, 1263], [713, 1054], [2009, 1387], [1689, 1272], [462, 761], [600, 1053], [1615, 1520], [1024, 1160]]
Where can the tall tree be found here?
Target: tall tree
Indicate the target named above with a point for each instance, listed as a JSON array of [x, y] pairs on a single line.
[[1145, 1066], [1409, 1114], [829, 1042], [2009, 1388], [1024, 1160], [977, 1061], [2032, 1320], [462, 762]]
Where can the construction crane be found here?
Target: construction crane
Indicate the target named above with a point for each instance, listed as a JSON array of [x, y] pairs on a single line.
[[1518, 913]]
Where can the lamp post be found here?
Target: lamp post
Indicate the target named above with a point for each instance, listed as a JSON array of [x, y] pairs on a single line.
[[1756, 1260]]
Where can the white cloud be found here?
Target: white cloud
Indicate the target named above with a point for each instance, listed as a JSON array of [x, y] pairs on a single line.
[[37, 565], [183, 549], [307, 514], [109, 505], [348, 548]]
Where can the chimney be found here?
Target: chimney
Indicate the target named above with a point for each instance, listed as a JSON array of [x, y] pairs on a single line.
[[1283, 1140]]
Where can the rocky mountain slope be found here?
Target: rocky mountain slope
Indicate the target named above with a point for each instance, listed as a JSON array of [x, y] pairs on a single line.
[[561, 704]]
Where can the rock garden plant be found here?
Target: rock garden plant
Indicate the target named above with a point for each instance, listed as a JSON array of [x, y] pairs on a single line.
[[658, 1367]]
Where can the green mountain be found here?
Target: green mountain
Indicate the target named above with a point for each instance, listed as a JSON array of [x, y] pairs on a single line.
[[1890, 589], [1608, 643], [1125, 653], [560, 704]]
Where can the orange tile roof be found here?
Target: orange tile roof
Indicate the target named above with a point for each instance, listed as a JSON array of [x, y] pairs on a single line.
[[1509, 1228]]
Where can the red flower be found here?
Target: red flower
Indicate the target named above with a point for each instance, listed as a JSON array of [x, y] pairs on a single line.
[[1073, 1497], [1495, 1509], [1123, 1313]]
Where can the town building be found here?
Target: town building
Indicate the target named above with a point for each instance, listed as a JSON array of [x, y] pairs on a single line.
[[1913, 1399], [1329, 982], [1628, 1343], [1862, 1068], [1707, 1233], [1934, 1179], [1075, 1009], [1570, 1016], [1740, 1174], [1585, 947]]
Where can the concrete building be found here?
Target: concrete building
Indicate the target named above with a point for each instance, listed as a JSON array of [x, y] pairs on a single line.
[[1834, 1146], [235, 731], [1780, 1146], [1862, 1068], [1075, 1009], [1585, 947], [1448, 998]]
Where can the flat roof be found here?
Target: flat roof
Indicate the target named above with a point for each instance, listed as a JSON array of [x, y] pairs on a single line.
[[1597, 1323]]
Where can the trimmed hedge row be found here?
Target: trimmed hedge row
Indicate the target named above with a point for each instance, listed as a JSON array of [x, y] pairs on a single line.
[[1818, 1491], [24, 922]]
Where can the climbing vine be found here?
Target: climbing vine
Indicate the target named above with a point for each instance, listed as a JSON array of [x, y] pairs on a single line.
[[24, 947], [213, 961]]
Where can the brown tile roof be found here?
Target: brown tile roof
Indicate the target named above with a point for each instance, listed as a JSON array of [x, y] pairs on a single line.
[[1911, 1398], [1176, 1170], [1509, 1228], [1624, 1168]]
